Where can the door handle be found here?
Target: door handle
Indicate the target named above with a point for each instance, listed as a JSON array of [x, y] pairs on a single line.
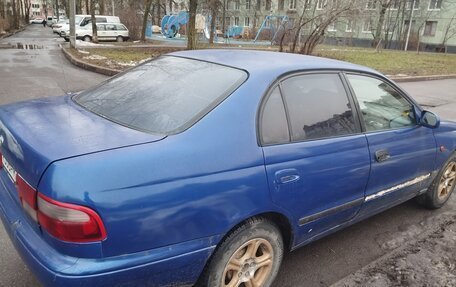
[[289, 178], [286, 176], [382, 155]]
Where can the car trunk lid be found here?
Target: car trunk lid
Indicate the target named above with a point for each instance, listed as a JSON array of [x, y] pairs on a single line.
[[36, 133]]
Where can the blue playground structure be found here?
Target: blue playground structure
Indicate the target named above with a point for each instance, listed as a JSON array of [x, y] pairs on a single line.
[[274, 23], [171, 24]]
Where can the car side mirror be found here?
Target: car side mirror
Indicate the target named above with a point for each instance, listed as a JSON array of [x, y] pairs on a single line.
[[429, 119]]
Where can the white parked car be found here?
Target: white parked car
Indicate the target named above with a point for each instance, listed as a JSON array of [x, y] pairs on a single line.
[[83, 20], [60, 26], [105, 32], [36, 21]]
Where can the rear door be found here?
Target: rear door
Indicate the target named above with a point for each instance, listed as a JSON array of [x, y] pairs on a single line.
[[316, 157], [402, 152], [111, 32]]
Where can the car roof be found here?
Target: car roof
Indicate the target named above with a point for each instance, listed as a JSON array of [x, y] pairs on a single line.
[[276, 63]]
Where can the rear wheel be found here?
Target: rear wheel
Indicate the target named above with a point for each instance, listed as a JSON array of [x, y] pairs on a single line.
[[119, 39], [442, 187], [87, 39], [250, 256]]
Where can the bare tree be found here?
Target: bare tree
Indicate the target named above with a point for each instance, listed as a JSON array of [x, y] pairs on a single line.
[[191, 34], [214, 7], [94, 21], [449, 32], [384, 6], [147, 5]]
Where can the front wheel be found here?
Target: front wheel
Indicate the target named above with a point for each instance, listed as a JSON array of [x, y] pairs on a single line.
[[442, 187], [119, 39], [250, 256], [87, 39]]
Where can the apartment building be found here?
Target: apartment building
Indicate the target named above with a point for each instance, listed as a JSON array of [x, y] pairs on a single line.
[[433, 21]]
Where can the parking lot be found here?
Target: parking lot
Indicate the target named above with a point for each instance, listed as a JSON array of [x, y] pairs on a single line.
[[32, 66]]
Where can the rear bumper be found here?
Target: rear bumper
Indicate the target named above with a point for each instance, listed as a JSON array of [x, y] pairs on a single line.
[[176, 265]]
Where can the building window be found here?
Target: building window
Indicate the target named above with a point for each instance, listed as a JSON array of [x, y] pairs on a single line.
[[292, 5], [247, 22], [409, 4], [268, 5], [247, 4], [227, 21], [308, 4], [430, 28], [258, 5], [394, 5], [321, 4], [371, 5], [349, 27], [435, 4], [236, 21], [36, 6], [237, 5], [367, 26], [332, 27]]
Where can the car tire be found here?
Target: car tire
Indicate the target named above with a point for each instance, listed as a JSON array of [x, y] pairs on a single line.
[[119, 39], [251, 252], [442, 187], [87, 39]]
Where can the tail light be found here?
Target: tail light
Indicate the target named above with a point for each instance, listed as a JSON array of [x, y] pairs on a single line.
[[69, 222]]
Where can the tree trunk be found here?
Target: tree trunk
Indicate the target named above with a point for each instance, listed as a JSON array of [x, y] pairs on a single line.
[[94, 22], [224, 16], [57, 11], [191, 34], [87, 7], [15, 16], [102, 7], [379, 29], [145, 18], [212, 29]]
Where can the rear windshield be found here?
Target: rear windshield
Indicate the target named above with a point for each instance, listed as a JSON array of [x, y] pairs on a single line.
[[163, 96]]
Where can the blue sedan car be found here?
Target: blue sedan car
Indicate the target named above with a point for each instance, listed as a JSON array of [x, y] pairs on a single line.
[[204, 167]]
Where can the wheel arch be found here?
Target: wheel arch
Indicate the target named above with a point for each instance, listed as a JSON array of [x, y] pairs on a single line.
[[280, 220]]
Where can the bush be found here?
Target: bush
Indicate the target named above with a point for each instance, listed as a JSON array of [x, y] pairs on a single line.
[[4, 26]]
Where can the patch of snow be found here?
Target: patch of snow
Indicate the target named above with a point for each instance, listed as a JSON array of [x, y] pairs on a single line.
[[83, 52], [90, 44], [95, 57]]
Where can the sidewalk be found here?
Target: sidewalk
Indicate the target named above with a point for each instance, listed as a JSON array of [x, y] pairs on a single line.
[[429, 260]]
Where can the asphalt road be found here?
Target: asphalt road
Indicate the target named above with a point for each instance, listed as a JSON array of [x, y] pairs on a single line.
[[32, 73]]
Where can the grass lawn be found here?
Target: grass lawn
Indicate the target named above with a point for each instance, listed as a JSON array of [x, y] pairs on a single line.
[[390, 62]]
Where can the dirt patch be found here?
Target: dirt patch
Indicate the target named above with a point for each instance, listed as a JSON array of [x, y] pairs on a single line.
[[427, 261]]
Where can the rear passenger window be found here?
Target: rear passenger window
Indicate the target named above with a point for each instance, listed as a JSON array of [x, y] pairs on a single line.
[[274, 126], [318, 107], [110, 27]]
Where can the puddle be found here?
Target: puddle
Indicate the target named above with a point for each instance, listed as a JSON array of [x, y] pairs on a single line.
[[21, 46]]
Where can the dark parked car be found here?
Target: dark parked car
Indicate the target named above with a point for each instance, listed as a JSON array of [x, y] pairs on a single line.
[[205, 166]]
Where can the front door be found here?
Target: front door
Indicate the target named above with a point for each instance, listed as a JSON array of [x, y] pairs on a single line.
[[316, 158], [402, 153]]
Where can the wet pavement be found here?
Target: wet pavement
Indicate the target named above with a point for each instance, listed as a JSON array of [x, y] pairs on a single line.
[[30, 73], [32, 65]]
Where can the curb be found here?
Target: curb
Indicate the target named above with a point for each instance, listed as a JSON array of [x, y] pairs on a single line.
[[11, 34], [422, 78], [87, 66]]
